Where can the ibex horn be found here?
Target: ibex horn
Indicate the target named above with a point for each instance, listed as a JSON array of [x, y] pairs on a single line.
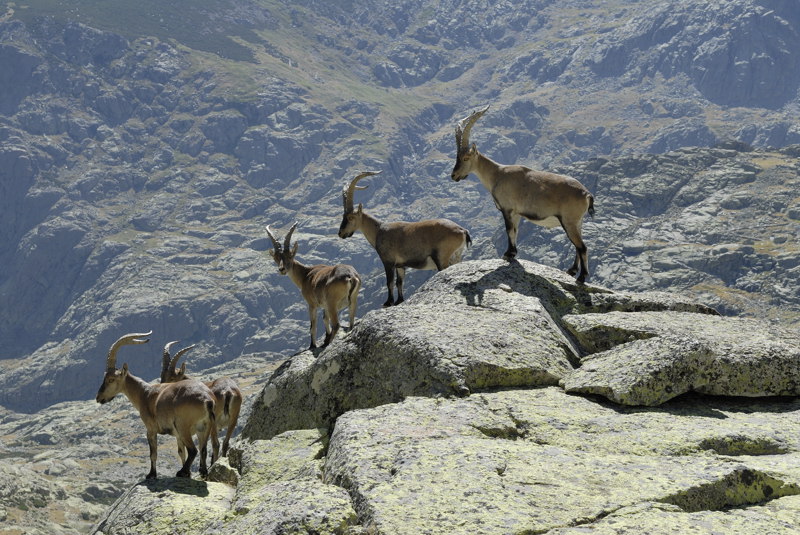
[[464, 126], [128, 339], [178, 355], [349, 189], [287, 241], [275, 243], [165, 359]]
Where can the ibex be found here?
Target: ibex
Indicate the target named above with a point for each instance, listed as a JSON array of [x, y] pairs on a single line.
[[179, 409], [543, 198], [226, 391], [428, 244], [331, 288]]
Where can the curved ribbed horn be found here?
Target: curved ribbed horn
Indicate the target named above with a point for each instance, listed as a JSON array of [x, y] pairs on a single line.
[[178, 355], [128, 339], [287, 240], [349, 189], [464, 126], [165, 357], [275, 243]]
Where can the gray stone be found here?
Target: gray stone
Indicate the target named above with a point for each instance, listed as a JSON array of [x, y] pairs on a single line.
[[176, 505], [417, 349], [646, 358], [479, 464]]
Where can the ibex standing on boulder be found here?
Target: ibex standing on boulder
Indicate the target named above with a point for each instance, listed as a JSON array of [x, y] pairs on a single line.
[[225, 389], [543, 198], [179, 409], [428, 244], [330, 288]]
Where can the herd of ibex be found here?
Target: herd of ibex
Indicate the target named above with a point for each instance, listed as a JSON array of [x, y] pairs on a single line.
[[184, 407]]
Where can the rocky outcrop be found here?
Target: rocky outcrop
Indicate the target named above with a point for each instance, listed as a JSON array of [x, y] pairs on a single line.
[[504, 325], [746, 62], [442, 415], [653, 357]]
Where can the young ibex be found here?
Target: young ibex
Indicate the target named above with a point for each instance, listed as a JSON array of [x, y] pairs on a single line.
[[428, 244], [331, 288], [179, 409], [225, 389], [543, 198]]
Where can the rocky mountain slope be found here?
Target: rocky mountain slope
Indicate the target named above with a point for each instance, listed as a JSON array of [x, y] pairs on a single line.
[[424, 420], [140, 166], [144, 146]]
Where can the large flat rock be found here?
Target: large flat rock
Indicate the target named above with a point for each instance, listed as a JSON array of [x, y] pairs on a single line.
[[279, 490], [474, 326], [531, 461], [646, 358]]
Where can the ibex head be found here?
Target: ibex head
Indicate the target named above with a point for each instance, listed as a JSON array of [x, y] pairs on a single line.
[[466, 153], [283, 254], [114, 379], [351, 221], [168, 372]]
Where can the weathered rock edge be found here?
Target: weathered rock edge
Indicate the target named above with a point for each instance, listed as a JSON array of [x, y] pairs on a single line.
[[473, 327]]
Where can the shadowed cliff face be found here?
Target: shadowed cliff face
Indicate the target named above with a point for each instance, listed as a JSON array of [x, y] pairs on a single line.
[[137, 173]]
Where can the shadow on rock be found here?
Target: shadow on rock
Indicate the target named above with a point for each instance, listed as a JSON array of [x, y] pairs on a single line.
[[180, 485]]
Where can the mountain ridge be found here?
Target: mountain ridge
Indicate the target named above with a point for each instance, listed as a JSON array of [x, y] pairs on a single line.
[[141, 160]]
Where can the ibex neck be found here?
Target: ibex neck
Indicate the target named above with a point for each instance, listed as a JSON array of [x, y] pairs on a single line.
[[137, 390], [298, 273], [486, 170], [369, 228]]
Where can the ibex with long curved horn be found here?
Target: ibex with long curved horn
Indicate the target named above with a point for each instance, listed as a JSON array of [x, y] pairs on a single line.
[[428, 244], [543, 198], [330, 288], [180, 409], [225, 389]]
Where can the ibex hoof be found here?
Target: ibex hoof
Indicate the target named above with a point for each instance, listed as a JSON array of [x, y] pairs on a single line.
[[151, 475], [183, 473]]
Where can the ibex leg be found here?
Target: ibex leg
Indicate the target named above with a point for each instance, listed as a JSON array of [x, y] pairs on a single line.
[[511, 221], [401, 275]]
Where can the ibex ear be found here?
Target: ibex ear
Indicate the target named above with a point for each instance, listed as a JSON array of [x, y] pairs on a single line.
[[125, 369], [360, 208], [473, 148], [294, 249], [274, 254]]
